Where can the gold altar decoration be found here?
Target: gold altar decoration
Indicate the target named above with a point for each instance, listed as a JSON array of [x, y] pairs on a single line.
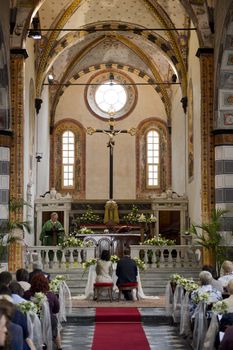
[[111, 215]]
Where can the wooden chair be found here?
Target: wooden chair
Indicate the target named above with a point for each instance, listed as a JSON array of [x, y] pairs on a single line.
[[100, 287], [128, 286]]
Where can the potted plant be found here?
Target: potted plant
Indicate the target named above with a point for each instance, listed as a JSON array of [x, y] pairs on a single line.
[[210, 237]]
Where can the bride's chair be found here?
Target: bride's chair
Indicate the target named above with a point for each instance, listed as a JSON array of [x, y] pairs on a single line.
[[101, 287]]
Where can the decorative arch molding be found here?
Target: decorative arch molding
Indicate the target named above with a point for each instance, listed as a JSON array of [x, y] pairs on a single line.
[[80, 157], [165, 157], [171, 51], [110, 67]]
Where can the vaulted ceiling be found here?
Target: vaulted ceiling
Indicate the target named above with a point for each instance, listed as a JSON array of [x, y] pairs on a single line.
[[149, 37]]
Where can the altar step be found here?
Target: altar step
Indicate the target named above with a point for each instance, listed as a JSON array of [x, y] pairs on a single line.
[[153, 280]]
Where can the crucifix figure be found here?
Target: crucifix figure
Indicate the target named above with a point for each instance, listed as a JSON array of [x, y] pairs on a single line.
[[111, 132]]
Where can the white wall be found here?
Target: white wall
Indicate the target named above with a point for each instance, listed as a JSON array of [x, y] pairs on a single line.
[[29, 175], [178, 119], [71, 105], [43, 145]]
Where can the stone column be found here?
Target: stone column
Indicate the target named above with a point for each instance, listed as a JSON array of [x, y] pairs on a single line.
[[15, 258], [206, 56], [224, 180]]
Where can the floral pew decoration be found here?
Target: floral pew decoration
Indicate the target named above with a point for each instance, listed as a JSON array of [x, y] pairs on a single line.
[[31, 311], [200, 309], [43, 311], [218, 309], [59, 286]]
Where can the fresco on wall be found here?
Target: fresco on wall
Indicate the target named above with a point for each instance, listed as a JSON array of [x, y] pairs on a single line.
[[190, 132], [227, 61]]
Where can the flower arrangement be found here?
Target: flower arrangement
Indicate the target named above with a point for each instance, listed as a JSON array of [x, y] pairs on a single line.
[[88, 217], [147, 219], [187, 283], [220, 307], [197, 297], [72, 241], [27, 306], [175, 278], [88, 263], [140, 264], [85, 231], [39, 298], [159, 240], [55, 283], [133, 216], [114, 258]]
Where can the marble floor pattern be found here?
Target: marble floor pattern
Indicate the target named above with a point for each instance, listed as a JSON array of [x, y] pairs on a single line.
[[160, 336]]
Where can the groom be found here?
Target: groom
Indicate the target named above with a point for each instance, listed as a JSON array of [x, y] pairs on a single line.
[[126, 272]]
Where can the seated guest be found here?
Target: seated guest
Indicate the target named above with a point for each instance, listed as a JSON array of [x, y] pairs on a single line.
[[16, 292], [40, 283], [227, 341], [104, 268], [5, 278], [126, 272], [215, 283], [10, 332], [18, 318], [38, 268], [22, 276], [214, 295], [229, 300], [227, 268]]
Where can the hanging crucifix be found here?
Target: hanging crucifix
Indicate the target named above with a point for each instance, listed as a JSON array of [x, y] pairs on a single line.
[[111, 132]]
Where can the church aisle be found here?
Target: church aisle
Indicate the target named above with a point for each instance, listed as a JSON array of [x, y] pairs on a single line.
[[162, 337]]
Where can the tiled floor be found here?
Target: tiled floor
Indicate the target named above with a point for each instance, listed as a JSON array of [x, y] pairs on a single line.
[[76, 336]]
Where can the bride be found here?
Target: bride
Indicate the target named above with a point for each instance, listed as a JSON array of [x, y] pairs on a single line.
[[104, 268]]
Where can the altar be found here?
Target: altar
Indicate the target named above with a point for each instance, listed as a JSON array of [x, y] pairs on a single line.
[[114, 242]]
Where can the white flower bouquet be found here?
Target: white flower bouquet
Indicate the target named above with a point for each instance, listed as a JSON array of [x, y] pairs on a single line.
[[88, 263], [220, 307], [27, 306], [114, 259], [140, 264], [55, 283]]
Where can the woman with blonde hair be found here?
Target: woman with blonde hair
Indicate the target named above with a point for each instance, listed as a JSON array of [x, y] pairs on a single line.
[[227, 268]]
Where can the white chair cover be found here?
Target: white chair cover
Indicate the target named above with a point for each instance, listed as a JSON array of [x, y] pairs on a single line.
[[64, 301], [46, 325], [34, 329], [185, 319], [169, 299], [200, 326], [211, 333], [178, 297]]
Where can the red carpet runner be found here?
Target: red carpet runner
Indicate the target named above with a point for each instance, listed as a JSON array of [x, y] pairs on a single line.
[[119, 329]]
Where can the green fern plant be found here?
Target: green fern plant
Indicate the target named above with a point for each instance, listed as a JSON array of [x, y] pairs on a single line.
[[210, 237]]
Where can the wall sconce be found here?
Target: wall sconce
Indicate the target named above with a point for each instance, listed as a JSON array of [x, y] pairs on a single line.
[[35, 32], [50, 78], [39, 157]]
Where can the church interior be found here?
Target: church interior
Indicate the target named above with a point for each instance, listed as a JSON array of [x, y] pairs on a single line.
[[112, 106]]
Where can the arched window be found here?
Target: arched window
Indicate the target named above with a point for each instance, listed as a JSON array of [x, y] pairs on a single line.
[[152, 158], [68, 159]]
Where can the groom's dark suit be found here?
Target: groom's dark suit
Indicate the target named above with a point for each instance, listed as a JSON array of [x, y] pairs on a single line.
[[126, 272]]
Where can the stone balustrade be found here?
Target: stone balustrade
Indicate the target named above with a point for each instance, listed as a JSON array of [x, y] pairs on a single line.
[[168, 256], [54, 258]]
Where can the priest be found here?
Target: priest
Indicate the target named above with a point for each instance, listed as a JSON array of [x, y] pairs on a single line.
[[52, 231]]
